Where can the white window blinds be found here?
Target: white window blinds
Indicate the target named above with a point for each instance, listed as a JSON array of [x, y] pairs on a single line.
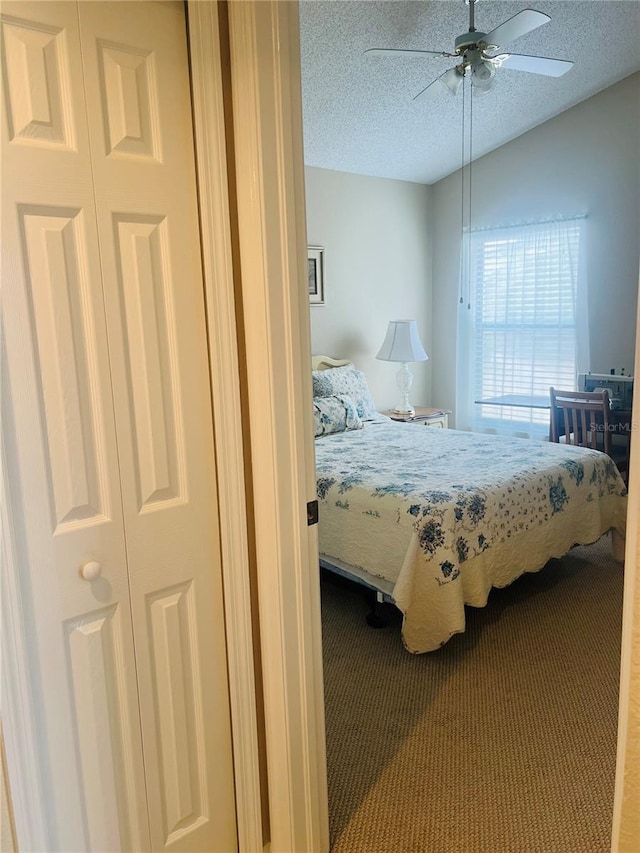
[[522, 324]]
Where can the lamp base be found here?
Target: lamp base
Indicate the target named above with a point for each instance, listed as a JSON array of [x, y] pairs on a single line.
[[404, 380]]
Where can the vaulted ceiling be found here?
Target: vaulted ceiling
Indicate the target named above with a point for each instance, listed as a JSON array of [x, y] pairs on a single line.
[[359, 112]]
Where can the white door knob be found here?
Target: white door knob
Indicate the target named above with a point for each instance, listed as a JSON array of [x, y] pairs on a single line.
[[91, 570]]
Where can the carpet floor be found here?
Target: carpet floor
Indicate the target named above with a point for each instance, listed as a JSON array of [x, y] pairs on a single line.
[[503, 740]]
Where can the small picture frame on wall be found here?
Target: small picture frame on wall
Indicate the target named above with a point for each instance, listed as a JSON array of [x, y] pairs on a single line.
[[315, 257]]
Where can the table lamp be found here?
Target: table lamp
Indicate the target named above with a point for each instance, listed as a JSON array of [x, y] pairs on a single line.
[[402, 343]]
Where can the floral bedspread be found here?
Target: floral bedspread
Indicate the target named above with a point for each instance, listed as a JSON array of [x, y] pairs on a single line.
[[445, 515]]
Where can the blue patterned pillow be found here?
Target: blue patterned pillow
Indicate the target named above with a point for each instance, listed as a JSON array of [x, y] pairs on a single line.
[[346, 380], [336, 413]]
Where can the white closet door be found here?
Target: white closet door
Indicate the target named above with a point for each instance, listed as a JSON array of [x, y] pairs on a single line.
[[138, 101], [130, 498], [59, 437]]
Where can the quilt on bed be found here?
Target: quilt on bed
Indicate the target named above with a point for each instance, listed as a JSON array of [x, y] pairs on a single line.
[[446, 515]]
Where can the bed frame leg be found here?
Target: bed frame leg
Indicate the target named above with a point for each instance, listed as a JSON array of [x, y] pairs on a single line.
[[617, 546], [377, 619]]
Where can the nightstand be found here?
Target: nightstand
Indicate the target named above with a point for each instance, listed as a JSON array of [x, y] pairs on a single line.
[[427, 417]]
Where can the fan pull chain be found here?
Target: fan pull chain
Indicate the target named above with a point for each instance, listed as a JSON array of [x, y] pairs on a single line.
[[470, 192], [465, 225], [462, 241]]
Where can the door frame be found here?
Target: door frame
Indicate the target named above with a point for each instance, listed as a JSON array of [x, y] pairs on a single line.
[[222, 325], [626, 822], [261, 377]]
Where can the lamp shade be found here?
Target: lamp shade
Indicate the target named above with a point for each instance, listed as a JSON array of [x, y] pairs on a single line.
[[402, 342]]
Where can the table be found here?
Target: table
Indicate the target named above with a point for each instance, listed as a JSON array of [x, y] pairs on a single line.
[[525, 401], [620, 423]]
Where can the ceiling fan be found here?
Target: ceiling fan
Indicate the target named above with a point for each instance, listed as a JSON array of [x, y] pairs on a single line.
[[477, 52]]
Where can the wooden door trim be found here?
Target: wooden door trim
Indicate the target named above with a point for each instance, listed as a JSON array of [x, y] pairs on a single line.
[[213, 192], [627, 781], [276, 355]]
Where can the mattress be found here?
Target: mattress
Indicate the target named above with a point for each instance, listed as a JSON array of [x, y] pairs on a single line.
[[443, 516]]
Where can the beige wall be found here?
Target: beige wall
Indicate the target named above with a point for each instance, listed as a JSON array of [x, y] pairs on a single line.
[[375, 233], [584, 160], [392, 247]]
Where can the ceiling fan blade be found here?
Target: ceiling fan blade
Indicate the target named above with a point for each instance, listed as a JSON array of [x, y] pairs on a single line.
[[451, 79], [400, 52], [519, 25], [535, 64]]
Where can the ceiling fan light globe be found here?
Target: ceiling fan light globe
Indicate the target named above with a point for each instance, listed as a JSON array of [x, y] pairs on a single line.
[[483, 86], [483, 72], [453, 80]]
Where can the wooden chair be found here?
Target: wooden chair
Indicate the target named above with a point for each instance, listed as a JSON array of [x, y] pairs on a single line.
[[584, 419]]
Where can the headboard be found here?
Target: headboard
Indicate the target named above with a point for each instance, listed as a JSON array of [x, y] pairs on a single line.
[[323, 362]]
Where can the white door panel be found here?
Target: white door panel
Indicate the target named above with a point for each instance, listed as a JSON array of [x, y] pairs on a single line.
[[59, 428], [108, 428], [140, 124]]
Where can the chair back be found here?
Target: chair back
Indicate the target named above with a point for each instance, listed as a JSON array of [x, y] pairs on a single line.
[[582, 417]]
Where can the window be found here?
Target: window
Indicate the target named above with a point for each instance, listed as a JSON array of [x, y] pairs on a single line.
[[520, 334]]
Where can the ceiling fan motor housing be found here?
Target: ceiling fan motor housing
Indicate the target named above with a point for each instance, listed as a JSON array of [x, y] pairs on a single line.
[[472, 39], [467, 40]]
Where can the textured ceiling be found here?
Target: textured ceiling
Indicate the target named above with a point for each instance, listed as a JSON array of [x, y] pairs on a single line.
[[359, 113]]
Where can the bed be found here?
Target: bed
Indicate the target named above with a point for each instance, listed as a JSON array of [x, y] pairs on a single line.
[[434, 518]]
